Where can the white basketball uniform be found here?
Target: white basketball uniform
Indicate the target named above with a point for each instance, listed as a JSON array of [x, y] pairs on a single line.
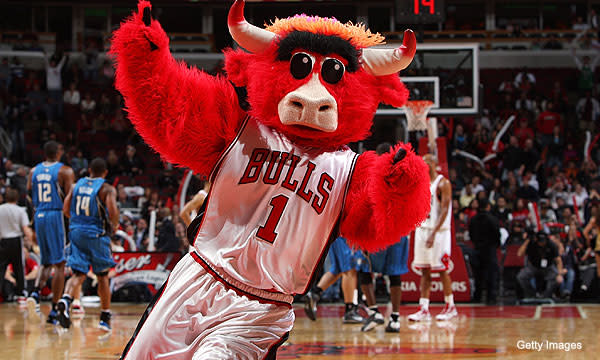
[[437, 257], [271, 211]]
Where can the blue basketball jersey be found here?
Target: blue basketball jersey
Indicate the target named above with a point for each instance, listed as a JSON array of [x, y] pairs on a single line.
[[87, 211], [47, 194]]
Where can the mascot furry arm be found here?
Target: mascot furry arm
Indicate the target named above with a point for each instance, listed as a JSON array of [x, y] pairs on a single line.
[[186, 115], [190, 117]]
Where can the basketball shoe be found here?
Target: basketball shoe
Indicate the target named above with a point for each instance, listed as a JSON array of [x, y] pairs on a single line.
[[64, 318], [376, 318], [448, 313], [421, 315], [33, 303], [105, 321], [310, 304]]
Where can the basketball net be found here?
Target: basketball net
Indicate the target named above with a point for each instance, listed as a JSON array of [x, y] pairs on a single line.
[[416, 115]]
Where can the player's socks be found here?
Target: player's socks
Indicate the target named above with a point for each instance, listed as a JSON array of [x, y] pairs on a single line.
[[394, 323], [424, 303], [318, 291], [104, 324], [372, 309], [349, 307], [449, 299]]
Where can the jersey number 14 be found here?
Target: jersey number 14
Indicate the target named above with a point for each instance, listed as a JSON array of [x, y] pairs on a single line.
[[83, 205]]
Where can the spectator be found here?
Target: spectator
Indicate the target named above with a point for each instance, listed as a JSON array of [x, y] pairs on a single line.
[[54, 85], [108, 73], [88, 105], [123, 200], [467, 195], [588, 111], [112, 165], [524, 75], [543, 261], [132, 164], [72, 96], [79, 163], [523, 132], [154, 203], [460, 140], [501, 212], [167, 239], [140, 235], [547, 215], [484, 232], [512, 156], [531, 157], [14, 225], [570, 246], [555, 148], [19, 182], [545, 124], [31, 268], [578, 196]]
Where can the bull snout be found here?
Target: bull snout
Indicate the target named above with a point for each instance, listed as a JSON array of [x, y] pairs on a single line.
[[309, 105]]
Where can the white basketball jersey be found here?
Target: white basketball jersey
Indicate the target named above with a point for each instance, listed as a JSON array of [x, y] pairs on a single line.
[[436, 208], [271, 210]]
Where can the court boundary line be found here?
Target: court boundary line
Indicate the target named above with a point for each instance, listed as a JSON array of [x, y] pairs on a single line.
[[582, 313], [538, 312]]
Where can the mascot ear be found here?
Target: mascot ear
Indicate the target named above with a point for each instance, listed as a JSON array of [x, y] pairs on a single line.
[[236, 66], [391, 90]]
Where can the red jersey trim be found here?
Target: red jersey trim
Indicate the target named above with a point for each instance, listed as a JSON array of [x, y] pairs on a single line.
[[217, 167], [239, 291]]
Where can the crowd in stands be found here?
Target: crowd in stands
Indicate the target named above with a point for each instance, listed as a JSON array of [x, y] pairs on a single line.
[[540, 175], [539, 160]]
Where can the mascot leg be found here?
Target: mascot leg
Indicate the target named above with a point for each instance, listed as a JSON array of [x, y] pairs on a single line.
[[197, 317]]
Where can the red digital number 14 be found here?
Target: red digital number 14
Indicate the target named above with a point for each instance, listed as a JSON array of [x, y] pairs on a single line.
[[429, 3]]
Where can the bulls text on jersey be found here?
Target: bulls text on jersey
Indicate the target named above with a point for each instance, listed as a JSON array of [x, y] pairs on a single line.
[[278, 160]]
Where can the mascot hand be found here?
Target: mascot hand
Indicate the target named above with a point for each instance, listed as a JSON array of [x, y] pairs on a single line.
[[147, 19], [140, 34], [406, 170]]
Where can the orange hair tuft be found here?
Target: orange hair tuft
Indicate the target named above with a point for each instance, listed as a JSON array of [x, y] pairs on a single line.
[[359, 36]]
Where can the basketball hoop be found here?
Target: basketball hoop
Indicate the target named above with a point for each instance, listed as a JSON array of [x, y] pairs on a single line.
[[416, 114]]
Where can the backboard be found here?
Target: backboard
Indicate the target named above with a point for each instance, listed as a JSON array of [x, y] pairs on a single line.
[[447, 74]]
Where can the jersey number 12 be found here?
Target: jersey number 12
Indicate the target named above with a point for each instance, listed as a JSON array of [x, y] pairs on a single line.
[[44, 190]]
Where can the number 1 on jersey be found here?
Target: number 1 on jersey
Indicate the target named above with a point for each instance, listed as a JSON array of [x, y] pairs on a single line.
[[267, 231]]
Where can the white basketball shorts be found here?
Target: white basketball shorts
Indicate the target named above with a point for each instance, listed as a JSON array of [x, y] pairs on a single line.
[[435, 258], [199, 316]]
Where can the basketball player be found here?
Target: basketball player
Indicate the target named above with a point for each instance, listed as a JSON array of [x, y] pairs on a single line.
[[392, 262], [191, 208], [92, 208], [432, 245], [343, 264], [48, 182]]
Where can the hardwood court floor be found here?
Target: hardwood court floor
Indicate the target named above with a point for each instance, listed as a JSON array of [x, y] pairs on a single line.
[[480, 332]]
